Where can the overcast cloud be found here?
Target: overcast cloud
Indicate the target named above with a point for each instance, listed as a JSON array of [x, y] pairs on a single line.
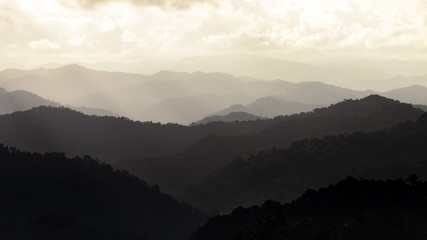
[[132, 30]]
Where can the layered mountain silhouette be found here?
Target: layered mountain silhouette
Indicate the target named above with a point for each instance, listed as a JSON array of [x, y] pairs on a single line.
[[284, 173], [48, 196], [350, 209], [181, 97], [47, 129], [211, 152], [353, 72]]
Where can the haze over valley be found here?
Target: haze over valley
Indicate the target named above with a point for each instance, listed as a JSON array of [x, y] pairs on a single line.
[[213, 119]]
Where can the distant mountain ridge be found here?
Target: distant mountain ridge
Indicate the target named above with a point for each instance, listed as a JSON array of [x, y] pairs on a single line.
[[180, 97]]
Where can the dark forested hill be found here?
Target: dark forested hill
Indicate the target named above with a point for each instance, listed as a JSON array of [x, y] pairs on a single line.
[[204, 156], [351, 209], [47, 196], [283, 174], [47, 129], [173, 155]]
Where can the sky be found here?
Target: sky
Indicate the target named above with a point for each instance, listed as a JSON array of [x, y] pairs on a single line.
[[36, 32]]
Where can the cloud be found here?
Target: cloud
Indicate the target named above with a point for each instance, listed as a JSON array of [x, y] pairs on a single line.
[[175, 4], [44, 44]]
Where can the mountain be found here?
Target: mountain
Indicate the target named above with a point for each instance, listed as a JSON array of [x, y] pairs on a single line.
[[2, 91], [167, 96], [270, 107], [181, 97], [350, 209], [47, 129], [231, 117], [211, 152], [66, 83], [360, 73], [413, 94], [48, 196], [186, 110], [284, 173], [20, 101]]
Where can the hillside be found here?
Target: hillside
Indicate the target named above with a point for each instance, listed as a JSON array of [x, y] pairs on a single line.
[[48, 196], [230, 117], [283, 174], [204, 156], [47, 129], [350, 209]]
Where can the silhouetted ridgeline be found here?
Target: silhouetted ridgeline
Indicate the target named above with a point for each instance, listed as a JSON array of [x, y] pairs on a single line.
[[283, 174], [351, 209], [205, 156], [48, 129], [51, 197]]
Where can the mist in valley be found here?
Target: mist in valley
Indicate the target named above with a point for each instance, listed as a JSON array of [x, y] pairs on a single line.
[[211, 119]]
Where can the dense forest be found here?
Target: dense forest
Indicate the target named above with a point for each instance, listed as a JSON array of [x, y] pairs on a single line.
[[206, 155], [50, 129], [49, 196], [283, 174], [350, 209]]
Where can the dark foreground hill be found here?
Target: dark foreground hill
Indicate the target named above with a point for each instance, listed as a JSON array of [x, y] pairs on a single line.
[[51, 197], [205, 156], [283, 174], [351, 209]]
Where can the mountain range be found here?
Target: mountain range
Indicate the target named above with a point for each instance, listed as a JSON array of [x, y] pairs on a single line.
[[180, 97], [211, 152], [285, 173]]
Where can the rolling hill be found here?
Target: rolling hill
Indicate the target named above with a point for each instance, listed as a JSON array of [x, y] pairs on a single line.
[[48, 196], [351, 209], [204, 156], [284, 173]]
